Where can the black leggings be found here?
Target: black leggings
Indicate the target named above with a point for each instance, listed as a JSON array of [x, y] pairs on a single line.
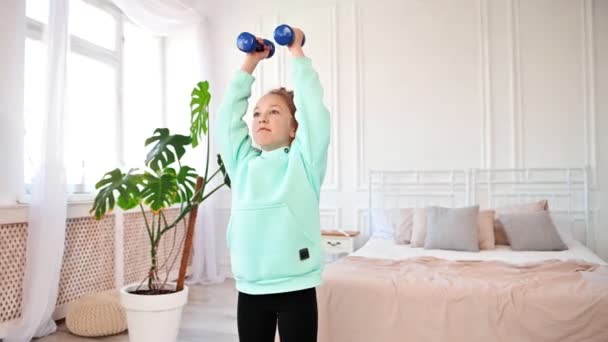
[[296, 313]]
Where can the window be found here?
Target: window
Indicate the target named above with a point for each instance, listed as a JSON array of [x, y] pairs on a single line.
[[93, 24], [143, 95], [113, 96], [91, 127], [37, 10], [35, 75]]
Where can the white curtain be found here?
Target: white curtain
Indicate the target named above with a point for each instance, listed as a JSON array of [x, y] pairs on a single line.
[[48, 209], [179, 22], [205, 265], [162, 17]]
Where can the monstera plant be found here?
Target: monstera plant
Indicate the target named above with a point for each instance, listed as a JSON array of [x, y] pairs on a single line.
[[164, 183]]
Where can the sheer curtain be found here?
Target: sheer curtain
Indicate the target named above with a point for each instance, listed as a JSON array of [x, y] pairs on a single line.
[[160, 17], [180, 22], [205, 266], [48, 208]]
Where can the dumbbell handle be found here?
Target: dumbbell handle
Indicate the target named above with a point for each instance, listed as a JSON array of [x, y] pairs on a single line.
[[247, 42]]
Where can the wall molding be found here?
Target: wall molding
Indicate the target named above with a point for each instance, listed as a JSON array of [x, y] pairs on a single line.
[[515, 82], [361, 170], [335, 214], [486, 86], [588, 87], [589, 104], [362, 220]]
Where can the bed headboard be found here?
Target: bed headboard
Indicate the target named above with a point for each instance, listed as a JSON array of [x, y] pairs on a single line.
[[566, 189]]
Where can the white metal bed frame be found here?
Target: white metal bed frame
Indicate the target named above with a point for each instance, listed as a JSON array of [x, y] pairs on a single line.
[[566, 189]]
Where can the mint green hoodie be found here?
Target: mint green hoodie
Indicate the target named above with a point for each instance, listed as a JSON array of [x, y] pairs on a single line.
[[274, 230]]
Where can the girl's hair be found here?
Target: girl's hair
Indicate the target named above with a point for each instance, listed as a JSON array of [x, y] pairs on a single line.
[[287, 96]]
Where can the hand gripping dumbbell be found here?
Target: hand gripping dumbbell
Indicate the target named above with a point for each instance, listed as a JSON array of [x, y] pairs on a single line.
[[284, 35], [247, 42]]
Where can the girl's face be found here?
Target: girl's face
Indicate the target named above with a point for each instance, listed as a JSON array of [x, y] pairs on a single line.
[[273, 123]]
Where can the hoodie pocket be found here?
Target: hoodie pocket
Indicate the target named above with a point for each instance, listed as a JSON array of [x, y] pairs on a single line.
[[267, 244]]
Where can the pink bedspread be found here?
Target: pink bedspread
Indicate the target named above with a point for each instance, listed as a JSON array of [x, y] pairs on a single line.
[[430, 299]]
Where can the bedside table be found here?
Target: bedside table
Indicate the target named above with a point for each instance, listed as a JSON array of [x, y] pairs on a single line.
[[338, 242]]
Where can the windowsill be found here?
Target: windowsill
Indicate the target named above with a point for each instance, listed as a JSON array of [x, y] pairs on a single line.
[[75, 198], [15, 206]]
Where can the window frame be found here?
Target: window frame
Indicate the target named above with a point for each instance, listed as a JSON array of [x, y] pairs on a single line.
[[113, 58]]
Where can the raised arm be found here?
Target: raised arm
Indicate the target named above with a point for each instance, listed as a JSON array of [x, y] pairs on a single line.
[[313, 134], [233, 137]]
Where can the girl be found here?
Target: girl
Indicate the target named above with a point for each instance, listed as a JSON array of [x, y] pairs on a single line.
[[274, 231]]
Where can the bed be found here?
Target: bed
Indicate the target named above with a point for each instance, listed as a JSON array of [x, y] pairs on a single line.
[[387, 291]]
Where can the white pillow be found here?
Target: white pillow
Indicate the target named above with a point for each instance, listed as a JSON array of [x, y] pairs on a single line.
[[381, 227]]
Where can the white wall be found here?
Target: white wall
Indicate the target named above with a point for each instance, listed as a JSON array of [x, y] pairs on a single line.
[[439, 84]]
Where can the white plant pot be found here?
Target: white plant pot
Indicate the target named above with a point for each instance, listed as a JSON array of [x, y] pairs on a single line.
[[154, 318]]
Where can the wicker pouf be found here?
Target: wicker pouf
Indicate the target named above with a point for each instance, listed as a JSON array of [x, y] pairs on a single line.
[[96, 315]]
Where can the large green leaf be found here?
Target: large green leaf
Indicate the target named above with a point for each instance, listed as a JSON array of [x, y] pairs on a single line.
[[186, 180], [160, 190], [199, 111], [220, 162], [161, 156], [126, 185]]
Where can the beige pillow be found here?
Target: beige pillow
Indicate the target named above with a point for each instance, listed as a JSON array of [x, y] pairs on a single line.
[[402, 221], [485, 221], [499, 231], [418, 228]]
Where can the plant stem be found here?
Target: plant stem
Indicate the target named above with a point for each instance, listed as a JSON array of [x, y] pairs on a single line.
[[143, 212], [214, 190], [181, 244], [154, 255], [205, 180], [164, 218], [159, 229], [213, 175], [172, 248], [152, 263], [208, 144], [179, 218], [188, 208]]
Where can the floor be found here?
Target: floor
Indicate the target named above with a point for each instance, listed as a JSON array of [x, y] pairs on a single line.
[[210, 315]]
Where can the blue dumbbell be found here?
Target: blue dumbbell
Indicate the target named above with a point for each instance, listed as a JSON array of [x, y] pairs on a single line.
[[247, 42], [284, 35]]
